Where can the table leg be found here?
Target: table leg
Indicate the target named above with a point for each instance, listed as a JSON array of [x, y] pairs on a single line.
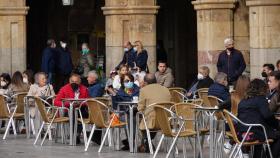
[[26, 118], [211, 135], [71, 123], [131, 129]]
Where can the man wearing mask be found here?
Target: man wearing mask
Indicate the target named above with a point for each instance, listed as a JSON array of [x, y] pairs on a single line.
[[48, 60], [128, 57], [164, 75], [267, 69], [74, 89], [203, 81], [231, 61]]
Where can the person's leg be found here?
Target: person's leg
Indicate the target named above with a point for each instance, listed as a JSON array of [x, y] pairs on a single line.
[[50, 76]]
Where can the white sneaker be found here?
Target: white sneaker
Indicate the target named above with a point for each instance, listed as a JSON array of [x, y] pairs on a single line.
[[245, 155], [227, 147]]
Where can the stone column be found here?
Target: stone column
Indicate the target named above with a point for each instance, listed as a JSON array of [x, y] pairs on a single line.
[[214, 24], [12, 35], [264, 33], [129, 20]]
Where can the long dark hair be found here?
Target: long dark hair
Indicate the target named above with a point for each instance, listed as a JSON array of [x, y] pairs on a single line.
[[257, 87], [131, 78], [17, 80], [30, 75], [6, 77]]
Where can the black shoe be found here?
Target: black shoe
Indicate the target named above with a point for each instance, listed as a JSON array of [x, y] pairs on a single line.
[[78, 140], [125, 148], [125, 142]]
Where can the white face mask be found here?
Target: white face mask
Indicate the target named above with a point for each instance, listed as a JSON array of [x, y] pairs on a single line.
[[135, 49], [125, 49], [25, 80], [63, 45], [3, 83], [200, 76]]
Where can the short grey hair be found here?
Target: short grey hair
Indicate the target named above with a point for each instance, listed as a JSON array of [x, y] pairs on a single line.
[[37, 76], [93, 72], [228, 41], [220, 77]]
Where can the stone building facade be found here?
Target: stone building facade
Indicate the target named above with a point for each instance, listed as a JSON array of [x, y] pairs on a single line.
[[253, 24]]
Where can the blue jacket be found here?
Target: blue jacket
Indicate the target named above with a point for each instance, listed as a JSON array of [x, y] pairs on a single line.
[[219, 91], [255, 110], [141, 60], [64, 62], [232, 65], [95, 90], [123, 96], [48, 60], [128, 58]]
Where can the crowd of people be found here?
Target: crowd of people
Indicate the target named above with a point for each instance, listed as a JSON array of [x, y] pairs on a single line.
[[253, 101]]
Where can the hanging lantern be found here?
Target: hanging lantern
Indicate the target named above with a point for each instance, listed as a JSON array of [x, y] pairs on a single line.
[[67, 2]]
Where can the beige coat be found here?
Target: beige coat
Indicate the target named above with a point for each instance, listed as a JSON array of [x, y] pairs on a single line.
[[148, 95], [165, 79]]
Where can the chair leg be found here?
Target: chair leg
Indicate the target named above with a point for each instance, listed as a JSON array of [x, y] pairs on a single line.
[[7, 128], [184, 148], [14, 127], [47, 132], [39, 133], [84, 133], [158, 146], [103, 140], [89, 138], [32, 126]]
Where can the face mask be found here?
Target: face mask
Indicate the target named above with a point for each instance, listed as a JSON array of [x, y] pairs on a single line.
[[63, 45], [200, 76], [85, 51], [128, 85], [74, 86], [230, 49], [25, 80], [264, 74], [135, 49], [3, 83], [125, 49]]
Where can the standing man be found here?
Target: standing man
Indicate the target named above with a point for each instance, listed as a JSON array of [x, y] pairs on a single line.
[[128, 57], [48, 60], [231, 61], [164, 75]]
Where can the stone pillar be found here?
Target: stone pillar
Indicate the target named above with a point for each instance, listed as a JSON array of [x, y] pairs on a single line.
[[12, 35], [129, 20], [214, 24], [264, 33]]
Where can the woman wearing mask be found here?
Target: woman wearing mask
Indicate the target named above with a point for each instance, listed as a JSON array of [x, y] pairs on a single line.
[[17, 85], [141, 57], [86, 63], [28, 77], [5, 82]]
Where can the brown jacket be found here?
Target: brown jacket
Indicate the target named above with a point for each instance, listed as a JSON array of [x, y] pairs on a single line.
[[148, 95], [274, 104], [166, 79]]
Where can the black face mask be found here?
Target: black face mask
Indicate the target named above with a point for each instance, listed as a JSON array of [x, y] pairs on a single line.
[[230, 49], [74, 86], [264, 74]]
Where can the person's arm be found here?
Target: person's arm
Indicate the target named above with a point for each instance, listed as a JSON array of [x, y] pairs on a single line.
[[123, 61], [90, 60], [142, 102], [142, 60], [242, 65], [266, 113], [52, 91], [168, 82], [95, 91], [220, 63], [57, 100]]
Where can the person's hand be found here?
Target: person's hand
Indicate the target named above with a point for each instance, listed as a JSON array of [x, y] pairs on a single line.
[[189, 94], [111, 91]]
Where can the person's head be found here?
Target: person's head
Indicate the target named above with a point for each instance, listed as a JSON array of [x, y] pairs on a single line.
[[138, 46], [127, 46], [51, 43], [123, 69], [5, 79], [274, 80], [162, 66], [229, 43], [203, 72], [17, 79], [113, 73], [92, 77], [75, 81], [221, 78], [257, 87], [127, 81], [267, 69], [41, 79], [278, 65], [150, 79], [85, 48], [242, 85], [28, 76]]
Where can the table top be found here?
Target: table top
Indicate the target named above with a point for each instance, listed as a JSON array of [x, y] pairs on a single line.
[[72, 99], [127, 102], [207, 108]]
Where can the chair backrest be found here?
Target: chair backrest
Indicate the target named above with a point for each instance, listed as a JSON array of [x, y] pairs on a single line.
[[96, 113], [163, 115], [4, 112], [202, 94], [187, 111], [104, 100], [20, 97], [228, 118], [42, 109], [167, 105], [176, 94], [198, 102], [214, 101]]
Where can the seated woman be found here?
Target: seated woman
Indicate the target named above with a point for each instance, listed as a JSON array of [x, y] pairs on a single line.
[[117, 79], [5, 79], [41, 88], [254, 110], [17, 85]]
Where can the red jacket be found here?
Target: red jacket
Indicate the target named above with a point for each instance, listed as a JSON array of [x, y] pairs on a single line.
[[67, 92]]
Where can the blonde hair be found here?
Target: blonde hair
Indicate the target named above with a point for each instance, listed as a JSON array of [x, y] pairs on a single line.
[[140, 44]]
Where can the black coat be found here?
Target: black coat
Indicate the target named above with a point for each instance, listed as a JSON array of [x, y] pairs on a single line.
[[64, 62], [205, 83], [141, 60], [232, 65], [255, 110], [128, 58], [48, 60]]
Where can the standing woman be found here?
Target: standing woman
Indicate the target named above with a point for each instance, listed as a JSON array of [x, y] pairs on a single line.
[[141, 57], [86, 63]]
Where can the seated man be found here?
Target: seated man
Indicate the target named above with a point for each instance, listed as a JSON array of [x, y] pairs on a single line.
[[150, 93], [273, 84], [219, 89], [267, 69], [164, 75], [203, 81], [95, 89], [74, 89]]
